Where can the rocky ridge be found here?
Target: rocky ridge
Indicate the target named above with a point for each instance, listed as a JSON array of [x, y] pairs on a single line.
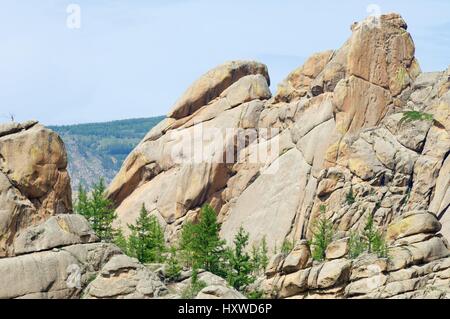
[[340, 131]]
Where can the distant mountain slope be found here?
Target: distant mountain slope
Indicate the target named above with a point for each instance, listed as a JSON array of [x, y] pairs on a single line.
[[98, 149]]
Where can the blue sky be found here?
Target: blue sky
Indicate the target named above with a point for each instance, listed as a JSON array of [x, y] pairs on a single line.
[[135, 58]]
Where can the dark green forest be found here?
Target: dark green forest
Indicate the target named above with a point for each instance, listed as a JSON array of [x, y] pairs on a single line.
[[99, 149]]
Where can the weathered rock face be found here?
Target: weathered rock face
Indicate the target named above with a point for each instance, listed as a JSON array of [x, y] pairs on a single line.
[[34, 183], [338, 129], [45, 250], [332, 135]]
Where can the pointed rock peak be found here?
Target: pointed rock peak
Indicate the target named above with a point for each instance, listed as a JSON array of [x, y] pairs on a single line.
[[213, 83], [298, 82], [381, 52]]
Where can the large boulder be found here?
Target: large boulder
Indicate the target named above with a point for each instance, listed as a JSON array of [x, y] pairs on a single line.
[[55, 274], [298, 258], [168, 159], [57, 231], [34, 183], [414, 223], [337, 139], [125, 278]]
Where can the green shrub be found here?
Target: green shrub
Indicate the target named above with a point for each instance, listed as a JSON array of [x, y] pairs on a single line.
[[412, 116], [255, 294], [322, 235], [379, 246]]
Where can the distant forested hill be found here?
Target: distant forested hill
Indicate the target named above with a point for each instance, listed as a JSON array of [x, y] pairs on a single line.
[[98, 149]]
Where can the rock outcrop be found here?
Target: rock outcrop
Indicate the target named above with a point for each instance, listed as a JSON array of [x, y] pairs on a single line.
[[48, 252], [332, 136], [45, 250], [333, 129]]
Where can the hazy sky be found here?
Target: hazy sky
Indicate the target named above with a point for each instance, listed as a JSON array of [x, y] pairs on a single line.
[[135, 58]]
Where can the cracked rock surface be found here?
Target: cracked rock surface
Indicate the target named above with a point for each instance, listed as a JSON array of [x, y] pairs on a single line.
[[339, 130]]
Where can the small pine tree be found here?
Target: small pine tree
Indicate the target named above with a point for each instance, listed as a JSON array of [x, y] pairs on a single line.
[[380, 247], [173, 269], [256, 259], [186, 247], [371, 241], [98, 210], [322, 235], [240, 267], [146, 241], [375, 241], [82, 205], [201, 243]]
